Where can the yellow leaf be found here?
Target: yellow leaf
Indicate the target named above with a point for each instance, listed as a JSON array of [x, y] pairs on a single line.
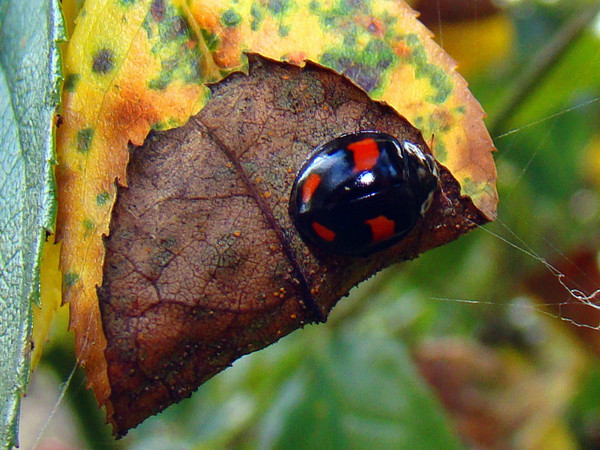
[[130, 66], [50, 298], [380, 46]]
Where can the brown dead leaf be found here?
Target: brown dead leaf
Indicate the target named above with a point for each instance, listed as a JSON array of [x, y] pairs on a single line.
[[498, 399], [203, 264]]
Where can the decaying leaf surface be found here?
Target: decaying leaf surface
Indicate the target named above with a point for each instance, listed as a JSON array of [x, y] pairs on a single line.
[[381, 47], [130, 67], [203, 264]]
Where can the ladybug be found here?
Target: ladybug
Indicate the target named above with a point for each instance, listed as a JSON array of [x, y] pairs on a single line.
[[362, 192]]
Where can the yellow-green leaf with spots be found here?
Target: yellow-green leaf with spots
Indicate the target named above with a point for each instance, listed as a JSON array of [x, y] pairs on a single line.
[[380, 46], [131, 65]]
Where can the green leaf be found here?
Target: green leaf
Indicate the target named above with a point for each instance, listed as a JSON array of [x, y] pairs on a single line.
[[357, 392], [579, 67], [328, 387], [29, 94]]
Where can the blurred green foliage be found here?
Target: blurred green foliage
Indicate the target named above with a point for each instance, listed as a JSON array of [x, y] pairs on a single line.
[[353, 382]]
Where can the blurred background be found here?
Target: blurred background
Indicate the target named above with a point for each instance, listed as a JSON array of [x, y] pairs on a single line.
[[489, 342]]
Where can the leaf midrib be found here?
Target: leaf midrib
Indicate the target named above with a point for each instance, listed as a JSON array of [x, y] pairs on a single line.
[[315, 312]]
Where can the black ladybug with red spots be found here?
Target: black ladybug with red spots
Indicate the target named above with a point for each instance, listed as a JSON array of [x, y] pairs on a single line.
[[362, 192]]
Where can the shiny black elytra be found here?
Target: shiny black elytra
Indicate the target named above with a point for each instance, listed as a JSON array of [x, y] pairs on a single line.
[[362, 192]]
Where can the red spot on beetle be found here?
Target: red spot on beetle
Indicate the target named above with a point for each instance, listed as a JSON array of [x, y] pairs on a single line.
[[310, 186], [365, 154], [382, 228], [323, 232]]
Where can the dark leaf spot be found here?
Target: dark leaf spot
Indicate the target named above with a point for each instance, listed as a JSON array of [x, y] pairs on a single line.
[[278, 6], [158, 10], [179, 27], [284, 30], [71, 81], [103, 61], [231, 18], [257, 17], [84, 139], [70, 278], [211, 39], [102, 198]]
